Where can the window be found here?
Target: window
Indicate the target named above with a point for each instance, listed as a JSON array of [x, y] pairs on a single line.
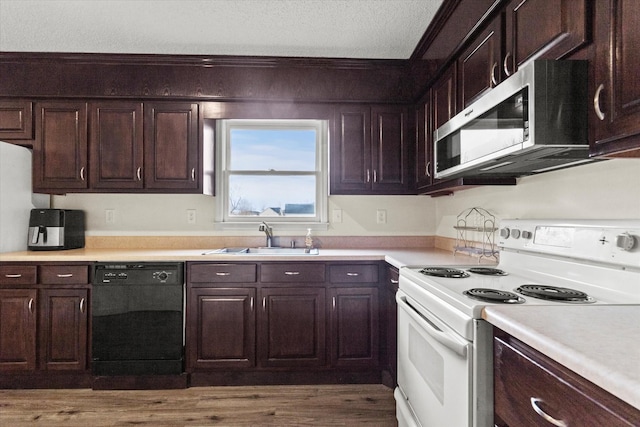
[[272, 170]]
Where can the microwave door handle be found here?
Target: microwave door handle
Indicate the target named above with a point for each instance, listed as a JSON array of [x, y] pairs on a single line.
[[446, 339]]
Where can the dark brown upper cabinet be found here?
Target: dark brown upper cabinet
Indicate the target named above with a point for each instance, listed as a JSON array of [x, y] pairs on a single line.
[[480, 65], [424, 143], [370, 150], [615, 116], [116, 145], [60, 148], [172, 153], [543, 29], [16, 119]]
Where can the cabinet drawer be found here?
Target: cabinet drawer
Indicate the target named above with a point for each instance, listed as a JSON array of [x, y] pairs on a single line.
[[353, 273], [525, 378], [222, 273], [63, 274], [292, 272], [18, 274]]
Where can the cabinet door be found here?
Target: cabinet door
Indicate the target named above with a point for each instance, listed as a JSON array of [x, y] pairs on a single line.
[[16, 119], [616, 92], [171, 145], [354, 327], [17, 329], [444, 97], [63, 329], [480, 65], [221, 328], [60, 148], [390, 169], [351, 150], [116, 145], [543, 29], [291, 327], [424, 144]]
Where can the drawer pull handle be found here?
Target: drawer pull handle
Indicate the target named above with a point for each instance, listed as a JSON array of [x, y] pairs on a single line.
[[547, 417], [291, 273], [353, 274], [65, 276], [13, 276], [394, 281], [31, 305], [82, 305], [223, 273]]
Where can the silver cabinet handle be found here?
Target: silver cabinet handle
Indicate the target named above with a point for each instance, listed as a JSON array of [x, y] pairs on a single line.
[[222, 273], [82, 305], [251, 303], [64, 276], [395, 282], [264, 303], [547, 417], [353, 274], [368, 175], [426, 170], [375, 175], [334, 302], [139, 174], [292, 273], [596, 102], [31, 305], [505, 64], [13, 276], [82, 173], [193, 174], [494, 80]]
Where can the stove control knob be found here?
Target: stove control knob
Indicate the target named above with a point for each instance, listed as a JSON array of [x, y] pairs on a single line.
[[626, 241], [162, 276], [505, 232], [515, 233], [527, 234]]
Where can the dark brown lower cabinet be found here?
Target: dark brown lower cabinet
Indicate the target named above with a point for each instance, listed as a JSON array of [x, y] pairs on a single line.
[[291, 327], [221, 328], [18, 329], [354, 327], [524, 378], [63, 329]]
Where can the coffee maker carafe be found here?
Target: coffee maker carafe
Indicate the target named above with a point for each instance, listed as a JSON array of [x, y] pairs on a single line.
[[55, 229]]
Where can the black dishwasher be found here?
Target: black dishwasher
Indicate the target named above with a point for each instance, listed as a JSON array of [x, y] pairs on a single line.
[[137, 319]]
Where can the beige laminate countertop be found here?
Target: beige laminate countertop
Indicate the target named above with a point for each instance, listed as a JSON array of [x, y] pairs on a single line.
[[396, 257], [600, 343]]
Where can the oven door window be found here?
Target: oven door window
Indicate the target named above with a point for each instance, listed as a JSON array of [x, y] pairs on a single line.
[[434, 367]]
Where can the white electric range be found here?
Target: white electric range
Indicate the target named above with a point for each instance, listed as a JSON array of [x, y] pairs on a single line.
[[445, 348]]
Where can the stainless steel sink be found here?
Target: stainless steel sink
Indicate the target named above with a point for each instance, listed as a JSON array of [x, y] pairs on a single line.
[[263, 251]]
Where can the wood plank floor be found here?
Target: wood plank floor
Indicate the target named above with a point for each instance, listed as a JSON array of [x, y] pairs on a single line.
[[318, 405]]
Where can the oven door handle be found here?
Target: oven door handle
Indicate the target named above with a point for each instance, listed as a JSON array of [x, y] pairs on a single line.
[[447, 339]]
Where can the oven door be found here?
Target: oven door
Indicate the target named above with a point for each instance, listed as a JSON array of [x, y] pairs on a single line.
[[434, 369]]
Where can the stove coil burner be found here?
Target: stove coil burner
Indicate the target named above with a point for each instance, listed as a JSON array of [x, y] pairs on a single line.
[[453, 273], [494, 295], [487, 271], [554, 293]]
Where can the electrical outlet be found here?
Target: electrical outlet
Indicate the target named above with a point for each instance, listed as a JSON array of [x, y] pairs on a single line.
[[336, 216], [191, 216], [110, 216], [381, 216]]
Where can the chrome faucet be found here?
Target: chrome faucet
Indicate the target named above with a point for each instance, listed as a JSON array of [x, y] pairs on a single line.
[[268, 231]]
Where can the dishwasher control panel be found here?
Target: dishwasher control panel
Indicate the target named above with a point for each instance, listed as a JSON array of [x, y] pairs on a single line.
[[138, 273]]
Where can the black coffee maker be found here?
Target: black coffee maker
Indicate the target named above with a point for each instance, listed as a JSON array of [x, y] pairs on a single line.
[[55, 229]]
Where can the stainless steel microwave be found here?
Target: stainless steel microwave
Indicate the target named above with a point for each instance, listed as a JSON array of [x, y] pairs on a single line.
[[535, 121]]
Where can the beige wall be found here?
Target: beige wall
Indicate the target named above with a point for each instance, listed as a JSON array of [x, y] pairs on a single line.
[[602, 190]]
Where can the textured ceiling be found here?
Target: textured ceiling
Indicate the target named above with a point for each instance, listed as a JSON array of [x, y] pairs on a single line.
[[376, 29]]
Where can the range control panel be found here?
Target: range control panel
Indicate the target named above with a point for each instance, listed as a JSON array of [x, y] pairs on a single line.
[[138, 273], [614, 241]]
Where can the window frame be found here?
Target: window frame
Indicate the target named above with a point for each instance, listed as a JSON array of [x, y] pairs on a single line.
[[223, 220]]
